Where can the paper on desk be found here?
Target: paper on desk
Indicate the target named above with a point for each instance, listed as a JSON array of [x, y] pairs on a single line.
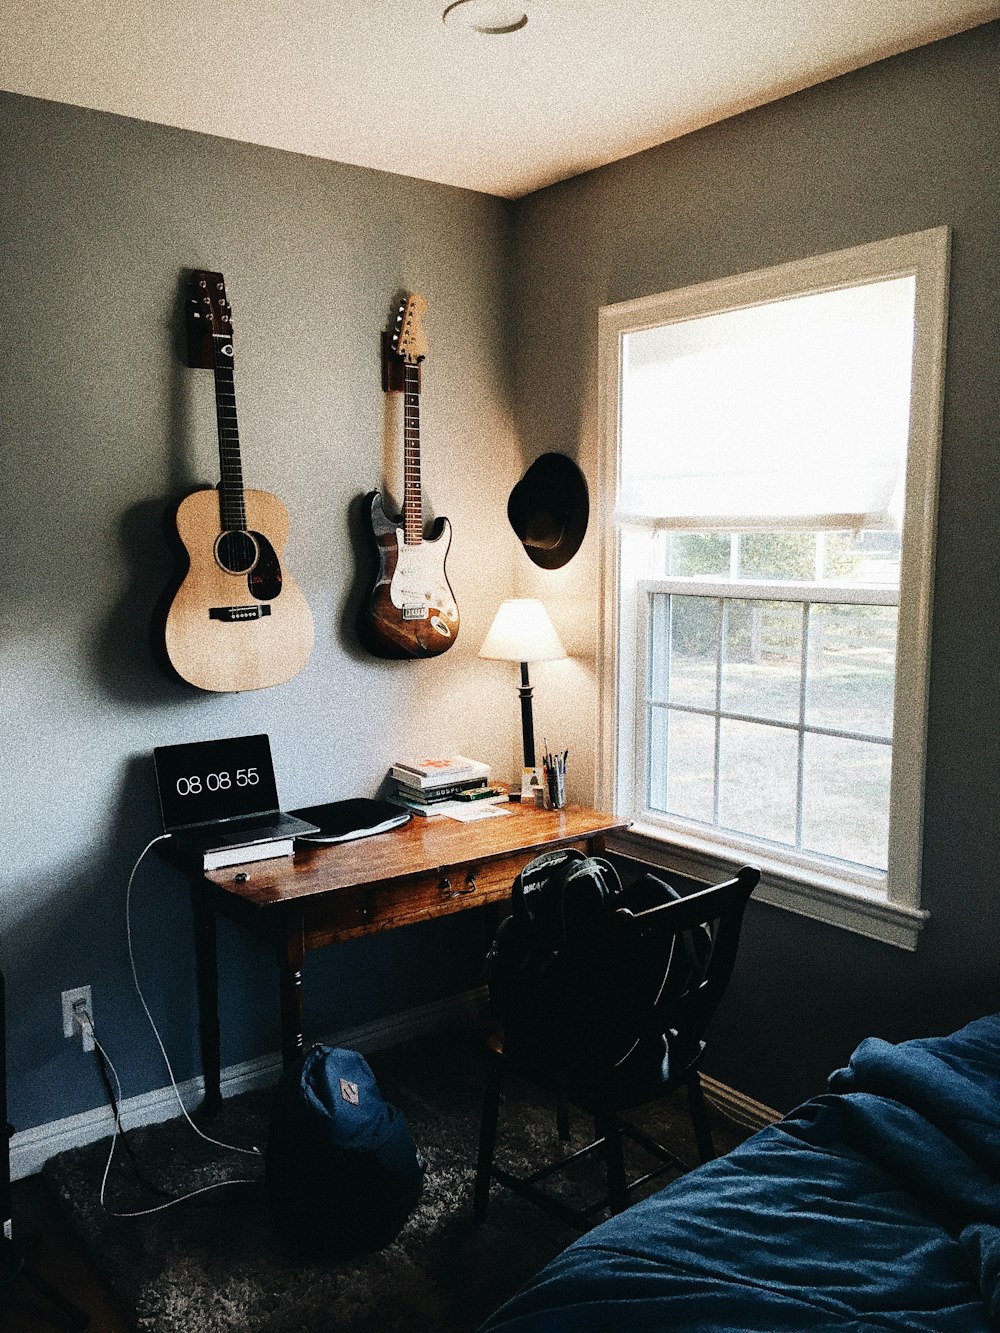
[[466, 813]]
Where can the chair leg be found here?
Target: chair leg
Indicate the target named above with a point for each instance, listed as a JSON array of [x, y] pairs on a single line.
[[699, 1117], [608, 1129], [562, 1119], [487, 1138]]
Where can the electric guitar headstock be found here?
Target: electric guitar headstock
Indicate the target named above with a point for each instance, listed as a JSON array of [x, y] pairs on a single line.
[[408, 338], [209, 315], [405, 346]]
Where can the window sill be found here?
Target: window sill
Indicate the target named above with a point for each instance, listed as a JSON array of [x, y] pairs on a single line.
[[859, 909]]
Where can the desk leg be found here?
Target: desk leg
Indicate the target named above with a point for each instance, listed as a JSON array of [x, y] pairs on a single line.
[[291, 955], [207, 975]]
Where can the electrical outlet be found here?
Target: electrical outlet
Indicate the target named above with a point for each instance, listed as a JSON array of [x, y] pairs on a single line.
[[71, 1022]]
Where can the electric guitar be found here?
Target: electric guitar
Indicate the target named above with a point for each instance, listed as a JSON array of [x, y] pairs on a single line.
[[412, 610], [237, 621]]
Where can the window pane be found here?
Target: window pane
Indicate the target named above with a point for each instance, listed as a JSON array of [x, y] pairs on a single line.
[[682, 780], [659, 647], [851, 670], [860, 557], [846, 799], [762, 659], [698, 555], [758, 780], [778, 555], [694, 648]]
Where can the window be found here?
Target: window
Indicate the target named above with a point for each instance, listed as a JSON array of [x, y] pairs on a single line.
[[771, 442]]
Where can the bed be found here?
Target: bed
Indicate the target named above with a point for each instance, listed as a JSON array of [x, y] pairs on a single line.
[[873, 1206]]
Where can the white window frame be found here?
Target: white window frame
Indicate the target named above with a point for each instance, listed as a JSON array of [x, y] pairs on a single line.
[[883, 907]]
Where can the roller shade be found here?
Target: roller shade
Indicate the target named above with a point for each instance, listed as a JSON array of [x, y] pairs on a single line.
[[789, 415]]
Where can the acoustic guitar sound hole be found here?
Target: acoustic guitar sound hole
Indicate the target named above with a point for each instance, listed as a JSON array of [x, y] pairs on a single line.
[[236, 552]]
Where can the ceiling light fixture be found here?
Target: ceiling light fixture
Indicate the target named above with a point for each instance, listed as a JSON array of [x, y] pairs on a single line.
[[490, 18]]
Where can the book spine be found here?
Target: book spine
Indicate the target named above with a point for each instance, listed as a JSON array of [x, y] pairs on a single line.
[[426, 781], [437, 793], [430, 811]]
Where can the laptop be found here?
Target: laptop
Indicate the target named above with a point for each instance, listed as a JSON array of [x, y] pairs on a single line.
[[222, 794]]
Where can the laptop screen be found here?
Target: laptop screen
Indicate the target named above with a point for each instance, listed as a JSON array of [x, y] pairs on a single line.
[[208, 782]]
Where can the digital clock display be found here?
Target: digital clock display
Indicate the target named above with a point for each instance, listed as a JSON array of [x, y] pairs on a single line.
[[210, 781]]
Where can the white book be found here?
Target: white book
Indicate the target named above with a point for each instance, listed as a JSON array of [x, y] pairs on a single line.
[[258, 851], [426, 773]]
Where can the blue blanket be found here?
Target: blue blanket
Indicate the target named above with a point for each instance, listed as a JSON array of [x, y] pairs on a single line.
[[874, 1206]]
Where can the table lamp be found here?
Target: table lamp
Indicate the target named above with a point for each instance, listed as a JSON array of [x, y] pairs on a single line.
[[522, 632]]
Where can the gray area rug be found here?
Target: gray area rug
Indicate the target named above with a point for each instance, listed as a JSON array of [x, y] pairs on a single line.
[[217, 1264]]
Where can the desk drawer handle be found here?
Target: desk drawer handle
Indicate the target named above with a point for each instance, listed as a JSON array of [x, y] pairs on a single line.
[[449, 892]]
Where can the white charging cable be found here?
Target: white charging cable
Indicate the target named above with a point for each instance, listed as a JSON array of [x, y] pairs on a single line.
[[252, 1152], [158, 1208], [85, 1018]]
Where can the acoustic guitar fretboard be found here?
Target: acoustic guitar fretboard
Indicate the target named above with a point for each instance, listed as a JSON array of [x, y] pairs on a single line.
[[231, 500]]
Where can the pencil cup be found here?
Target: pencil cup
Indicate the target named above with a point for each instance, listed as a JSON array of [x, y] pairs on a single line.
[[554, 787]]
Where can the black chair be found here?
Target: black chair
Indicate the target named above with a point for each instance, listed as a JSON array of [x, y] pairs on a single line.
[[658, 976]]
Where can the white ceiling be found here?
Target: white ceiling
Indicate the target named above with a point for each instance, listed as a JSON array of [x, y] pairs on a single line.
[[387, 84]]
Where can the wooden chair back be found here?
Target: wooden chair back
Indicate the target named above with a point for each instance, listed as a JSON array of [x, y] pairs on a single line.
[[664, 970]]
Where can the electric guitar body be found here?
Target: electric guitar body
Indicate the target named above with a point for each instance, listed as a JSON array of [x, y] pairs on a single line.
[[238, 621], [412, 610], [243, 629]]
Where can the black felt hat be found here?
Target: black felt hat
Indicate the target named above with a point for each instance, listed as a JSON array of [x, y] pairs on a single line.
[[549, 508]]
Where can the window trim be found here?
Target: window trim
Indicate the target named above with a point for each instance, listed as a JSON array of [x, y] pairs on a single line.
[[893, 914]]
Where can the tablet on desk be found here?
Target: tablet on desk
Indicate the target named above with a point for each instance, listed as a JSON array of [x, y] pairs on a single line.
[[343, 821]]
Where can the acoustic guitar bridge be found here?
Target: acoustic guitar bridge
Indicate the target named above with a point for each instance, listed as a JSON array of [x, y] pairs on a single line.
[[232, 613]]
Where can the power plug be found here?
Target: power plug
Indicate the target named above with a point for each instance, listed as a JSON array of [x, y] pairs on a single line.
[[78, 1015]]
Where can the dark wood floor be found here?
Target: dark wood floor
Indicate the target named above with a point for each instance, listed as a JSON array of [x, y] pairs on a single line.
[[57, 1257]]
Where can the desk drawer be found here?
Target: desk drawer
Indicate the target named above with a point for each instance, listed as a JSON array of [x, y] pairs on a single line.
[[400, 902], [439, 893]]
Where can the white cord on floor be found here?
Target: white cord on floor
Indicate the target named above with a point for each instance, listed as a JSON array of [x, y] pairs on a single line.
[[231, 1147], [181, 1198], [85, 1017]]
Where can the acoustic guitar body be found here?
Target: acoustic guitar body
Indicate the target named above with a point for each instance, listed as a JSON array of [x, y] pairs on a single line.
[[412, 610], [243, 630]]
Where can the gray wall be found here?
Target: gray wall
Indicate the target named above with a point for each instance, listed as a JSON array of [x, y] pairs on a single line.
[[103, 427], [907, 144]]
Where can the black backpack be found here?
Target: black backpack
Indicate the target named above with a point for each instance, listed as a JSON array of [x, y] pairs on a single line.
[[540, 966], [546, 958], [342, 1170]]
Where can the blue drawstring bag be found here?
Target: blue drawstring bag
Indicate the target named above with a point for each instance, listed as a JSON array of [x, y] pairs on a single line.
[[342, 1171]]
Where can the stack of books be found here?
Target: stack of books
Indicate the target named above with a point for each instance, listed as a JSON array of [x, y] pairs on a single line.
[[436, 786]]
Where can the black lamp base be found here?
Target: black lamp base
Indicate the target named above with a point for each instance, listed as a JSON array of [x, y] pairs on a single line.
[[527, 722]]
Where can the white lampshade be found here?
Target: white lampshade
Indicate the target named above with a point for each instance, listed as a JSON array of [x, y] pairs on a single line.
[[522, 632]]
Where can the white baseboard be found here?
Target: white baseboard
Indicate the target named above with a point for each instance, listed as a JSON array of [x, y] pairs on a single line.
[[31, 1148]]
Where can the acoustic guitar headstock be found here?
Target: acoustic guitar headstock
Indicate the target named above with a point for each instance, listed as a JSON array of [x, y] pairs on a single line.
[[209, 315]]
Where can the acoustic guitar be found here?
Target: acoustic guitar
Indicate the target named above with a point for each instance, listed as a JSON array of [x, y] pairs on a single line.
[[412, 610], [238, 621]]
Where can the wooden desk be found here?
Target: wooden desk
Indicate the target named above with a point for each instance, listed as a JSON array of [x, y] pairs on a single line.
[[425, 869]]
